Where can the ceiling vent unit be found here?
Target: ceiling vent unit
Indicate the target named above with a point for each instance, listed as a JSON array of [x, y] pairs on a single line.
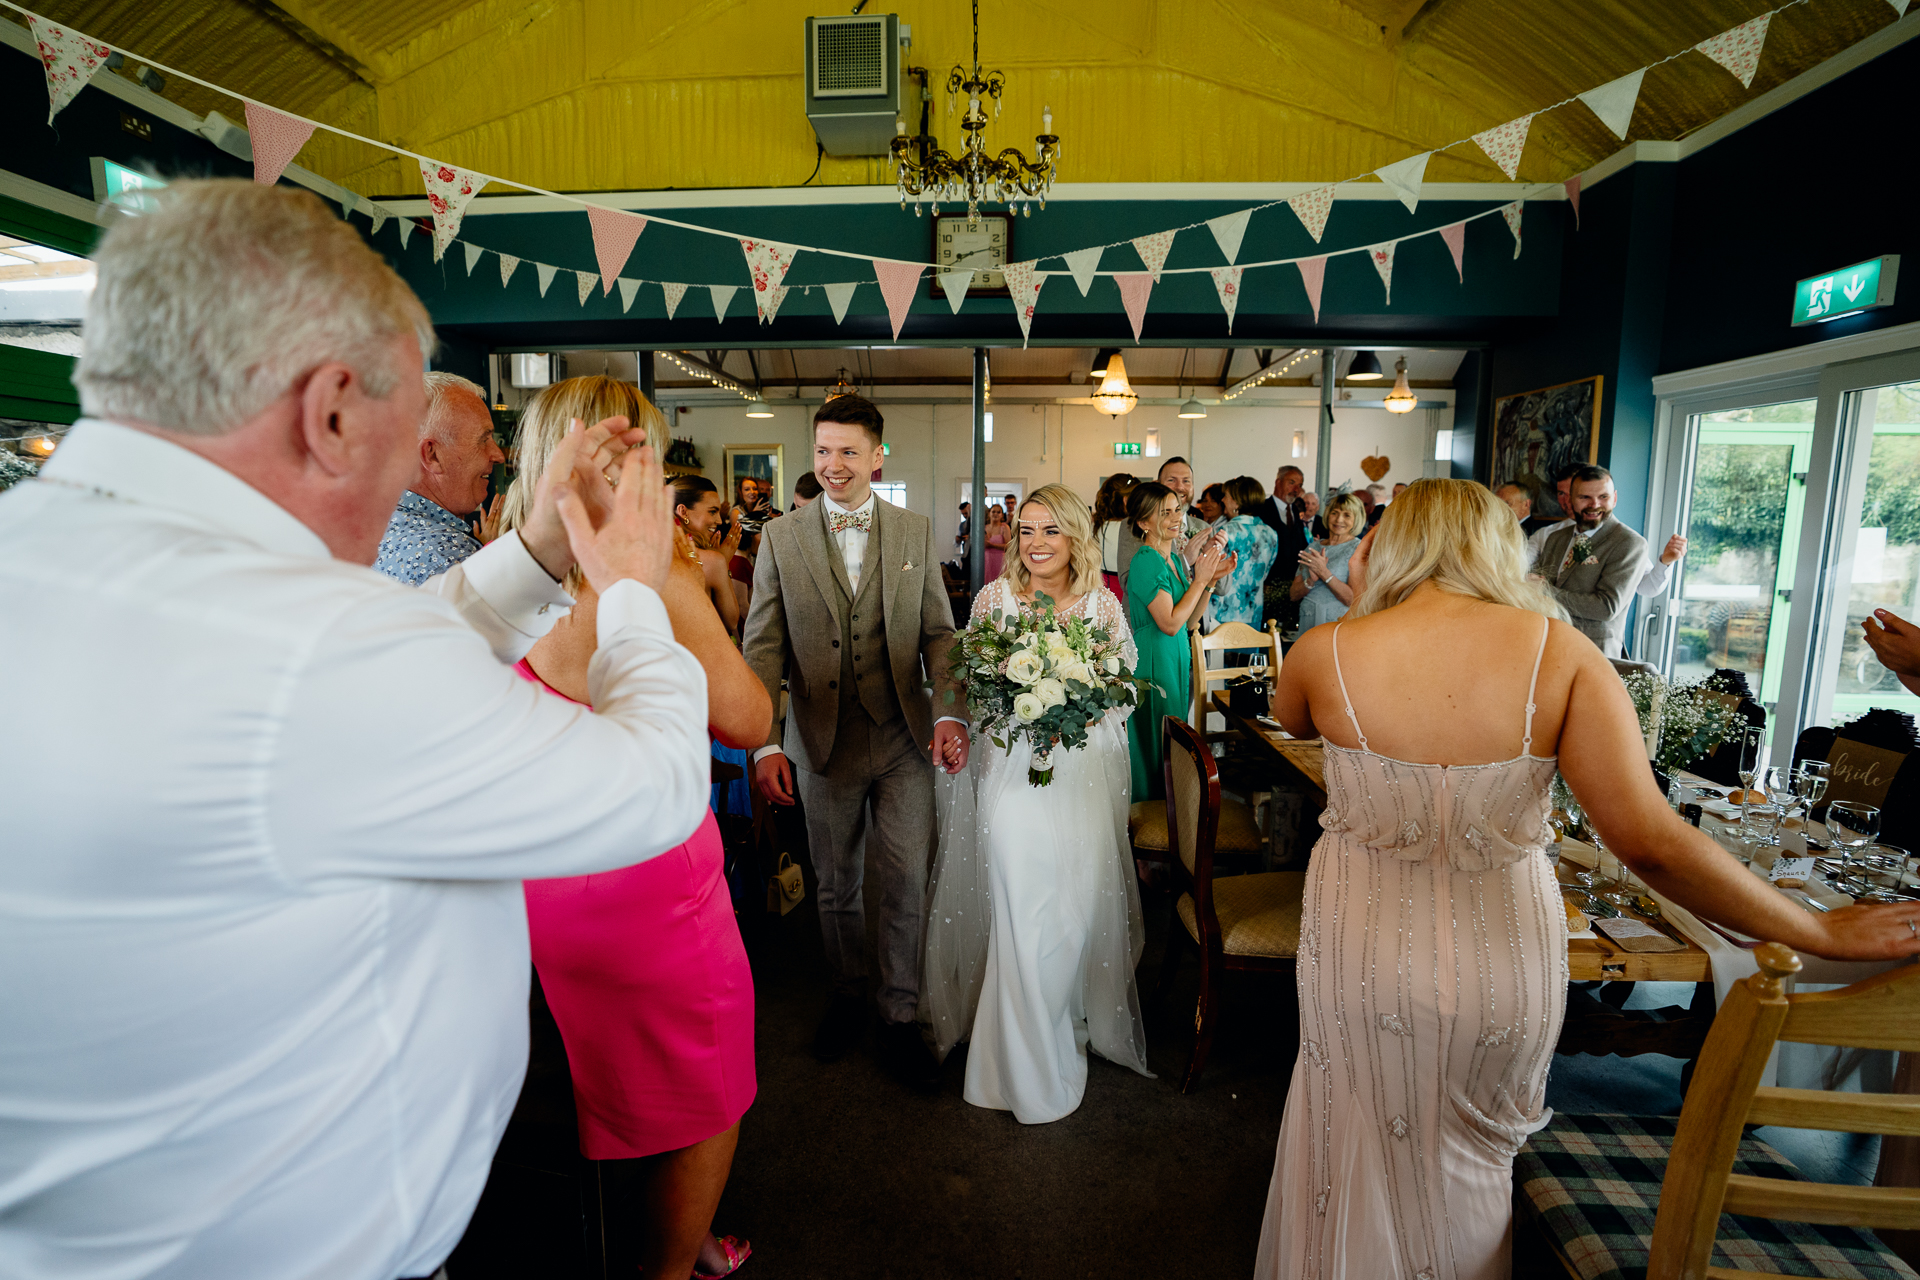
[[853, 82]]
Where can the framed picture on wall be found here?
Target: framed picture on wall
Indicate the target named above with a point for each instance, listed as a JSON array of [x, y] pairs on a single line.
[[1536, 433], [761, 462]]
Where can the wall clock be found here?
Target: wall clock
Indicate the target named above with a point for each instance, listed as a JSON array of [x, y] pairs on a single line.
[[984, 248]]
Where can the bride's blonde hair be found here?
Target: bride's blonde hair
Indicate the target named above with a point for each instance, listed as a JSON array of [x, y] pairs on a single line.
[[1071, 514], [1457, 535]]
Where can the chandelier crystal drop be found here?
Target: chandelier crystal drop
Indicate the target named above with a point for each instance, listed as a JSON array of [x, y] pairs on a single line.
[[974, 176]]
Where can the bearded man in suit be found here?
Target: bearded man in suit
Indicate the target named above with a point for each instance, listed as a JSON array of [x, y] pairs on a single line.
[[1592, 565], [849, 606]]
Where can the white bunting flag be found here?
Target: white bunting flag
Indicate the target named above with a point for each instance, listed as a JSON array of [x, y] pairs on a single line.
[[545, 274], [1614, 101], [1403, 178], [1023, 283], [1899, 7], [955, 285], [508, 265], [449, 191], [899, 282], [1153, 251], [1738, 48], [839, 294], [1226, 282], [1312, 208], [672, 293], [70, 59], [1135, 288], [1504, 143], [1081, 264], [348, 205], [1511, 212], [722, 299], [1228, 230], [1382, 258], [473, 255], [1313, 274], [406, 231], [615, 232], [379, 215], [767, 261], [1455, 237], [587, 280], [628, 288], [276, 140]]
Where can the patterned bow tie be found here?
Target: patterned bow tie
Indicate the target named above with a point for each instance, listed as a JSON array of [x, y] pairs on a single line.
[[840, 521]]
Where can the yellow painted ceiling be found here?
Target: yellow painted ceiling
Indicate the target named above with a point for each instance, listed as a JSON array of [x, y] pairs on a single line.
[[577, 95]]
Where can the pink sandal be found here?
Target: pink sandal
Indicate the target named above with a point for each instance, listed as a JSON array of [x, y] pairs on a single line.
[[737, 1251]]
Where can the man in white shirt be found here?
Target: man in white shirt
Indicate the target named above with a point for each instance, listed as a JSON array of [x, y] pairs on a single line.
[[261, 927], [849, 606]]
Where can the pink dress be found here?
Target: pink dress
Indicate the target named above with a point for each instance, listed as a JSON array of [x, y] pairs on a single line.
[[647, 978]]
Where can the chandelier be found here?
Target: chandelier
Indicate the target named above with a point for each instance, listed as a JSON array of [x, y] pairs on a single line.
[[974, 175], [1401, 399], [1115, 396]]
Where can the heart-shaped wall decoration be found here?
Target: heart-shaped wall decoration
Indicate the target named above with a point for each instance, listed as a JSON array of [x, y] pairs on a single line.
[[1376, 466]]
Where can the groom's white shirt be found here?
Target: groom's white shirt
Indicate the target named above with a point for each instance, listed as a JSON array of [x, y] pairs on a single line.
[[852, 543]]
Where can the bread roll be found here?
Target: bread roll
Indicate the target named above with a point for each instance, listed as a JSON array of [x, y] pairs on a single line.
[[1576, 922]]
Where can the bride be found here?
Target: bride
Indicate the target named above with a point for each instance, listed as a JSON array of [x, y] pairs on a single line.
[[1035, 927]]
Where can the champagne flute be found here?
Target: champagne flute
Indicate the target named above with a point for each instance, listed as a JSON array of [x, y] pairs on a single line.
[[1748, 744], [1780, 796], [1810, 784], [1852, 826]]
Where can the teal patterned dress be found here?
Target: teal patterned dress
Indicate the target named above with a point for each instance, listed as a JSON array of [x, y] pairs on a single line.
[[1239, 597], [1165, 659]]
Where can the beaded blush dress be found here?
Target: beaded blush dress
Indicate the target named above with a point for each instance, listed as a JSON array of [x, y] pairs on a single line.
[[1432, 979]]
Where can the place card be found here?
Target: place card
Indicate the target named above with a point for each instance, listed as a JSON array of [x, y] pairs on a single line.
[[1637, 935], [1790, 872]]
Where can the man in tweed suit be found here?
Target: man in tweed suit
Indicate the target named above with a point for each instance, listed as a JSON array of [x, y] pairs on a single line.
[[1592, 564], [849, 605]]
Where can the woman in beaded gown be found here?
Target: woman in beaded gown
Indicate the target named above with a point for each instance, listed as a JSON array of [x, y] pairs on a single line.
[[1034, 924], [1432, 966]]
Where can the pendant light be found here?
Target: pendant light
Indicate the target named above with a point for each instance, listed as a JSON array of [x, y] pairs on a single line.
[[758, 408], [1365, 368], [1401, 399], [1101, 361], [1193, 409], [1115, 398]]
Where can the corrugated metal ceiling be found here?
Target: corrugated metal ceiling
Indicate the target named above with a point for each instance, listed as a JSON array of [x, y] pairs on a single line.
[[621, 95]]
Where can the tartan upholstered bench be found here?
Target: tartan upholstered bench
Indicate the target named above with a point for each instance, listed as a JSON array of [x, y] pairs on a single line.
[[1591, 1185]]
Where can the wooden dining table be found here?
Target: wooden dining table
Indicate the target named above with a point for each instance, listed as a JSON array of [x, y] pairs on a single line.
[[1592, 1025]]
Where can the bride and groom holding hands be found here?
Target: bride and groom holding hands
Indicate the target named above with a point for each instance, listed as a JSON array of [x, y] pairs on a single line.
[[1035, 915]]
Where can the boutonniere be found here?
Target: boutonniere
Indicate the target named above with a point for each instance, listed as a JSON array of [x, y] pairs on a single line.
[[1583, 551]]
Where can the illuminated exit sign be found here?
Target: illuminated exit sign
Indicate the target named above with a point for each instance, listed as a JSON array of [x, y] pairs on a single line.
[[1126, 448], [1846, 292]]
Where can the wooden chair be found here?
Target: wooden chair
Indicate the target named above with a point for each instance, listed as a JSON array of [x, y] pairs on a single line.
[[1227, 637], [1586, 1181], [1248, 923]]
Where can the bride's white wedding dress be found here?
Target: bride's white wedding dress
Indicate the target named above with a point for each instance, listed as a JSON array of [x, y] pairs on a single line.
[[1433, 977], [1034, 928]]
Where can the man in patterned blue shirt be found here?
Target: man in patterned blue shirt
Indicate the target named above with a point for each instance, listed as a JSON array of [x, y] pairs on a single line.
[[429, 532]]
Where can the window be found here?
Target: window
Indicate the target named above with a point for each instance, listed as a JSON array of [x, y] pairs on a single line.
[[892, 491]]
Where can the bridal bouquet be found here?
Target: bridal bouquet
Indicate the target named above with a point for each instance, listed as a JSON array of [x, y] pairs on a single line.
[[1030, 676]]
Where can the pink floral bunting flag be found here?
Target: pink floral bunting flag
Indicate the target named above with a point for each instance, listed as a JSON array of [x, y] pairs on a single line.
[[449, 191], [1455, 237], [1135, 288], [1504, 143], [1312, 208], [1153, 250], [1226, 282], [615, 232], [1381, 256], [671, 294], [587, 280], [1023, 283], [1511, 212], [70, 59], [276, 138], [775, 296], [1738, 49], [1313, 274], [899, 282], [508, 264], [839, 294], [768, 261], [1573, 198]]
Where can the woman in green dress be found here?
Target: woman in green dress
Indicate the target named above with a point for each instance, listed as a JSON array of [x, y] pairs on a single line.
[[1161, 598]]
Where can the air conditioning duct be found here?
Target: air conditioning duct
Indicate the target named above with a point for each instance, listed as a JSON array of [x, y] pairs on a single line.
[[853, 82]]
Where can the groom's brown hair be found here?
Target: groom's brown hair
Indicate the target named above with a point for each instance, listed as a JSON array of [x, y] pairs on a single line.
[[854, 411]]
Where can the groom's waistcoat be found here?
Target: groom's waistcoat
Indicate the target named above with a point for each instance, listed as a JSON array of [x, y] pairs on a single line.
[[866, 668]]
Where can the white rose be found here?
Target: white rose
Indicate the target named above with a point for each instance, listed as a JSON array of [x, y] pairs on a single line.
[[1077, 670], [1051, 692], [1024, 667], [1028, 706], [1112, 665]]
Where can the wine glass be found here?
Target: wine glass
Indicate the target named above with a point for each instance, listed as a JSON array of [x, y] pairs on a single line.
[[1810, 783], [1748, 745], [1779, 786], [1852, 827]]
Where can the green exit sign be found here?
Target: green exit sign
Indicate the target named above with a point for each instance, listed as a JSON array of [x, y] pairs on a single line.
[[122, 187], [1846, 292], [1126, 448]]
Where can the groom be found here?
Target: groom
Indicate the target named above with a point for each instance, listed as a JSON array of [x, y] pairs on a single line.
[[849, 605]]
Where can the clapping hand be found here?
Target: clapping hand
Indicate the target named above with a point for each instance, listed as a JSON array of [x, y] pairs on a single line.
[[1675, 548], [1314, 561], [490, 518], [623, 532], [1896, 642], [1226, 565], [579, 465], [730, 545]]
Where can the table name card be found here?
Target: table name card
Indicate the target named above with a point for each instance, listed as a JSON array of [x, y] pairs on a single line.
[[1861, 774]]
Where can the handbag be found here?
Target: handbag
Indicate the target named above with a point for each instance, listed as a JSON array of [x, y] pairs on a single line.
[[785, 888], [1251, 695]]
